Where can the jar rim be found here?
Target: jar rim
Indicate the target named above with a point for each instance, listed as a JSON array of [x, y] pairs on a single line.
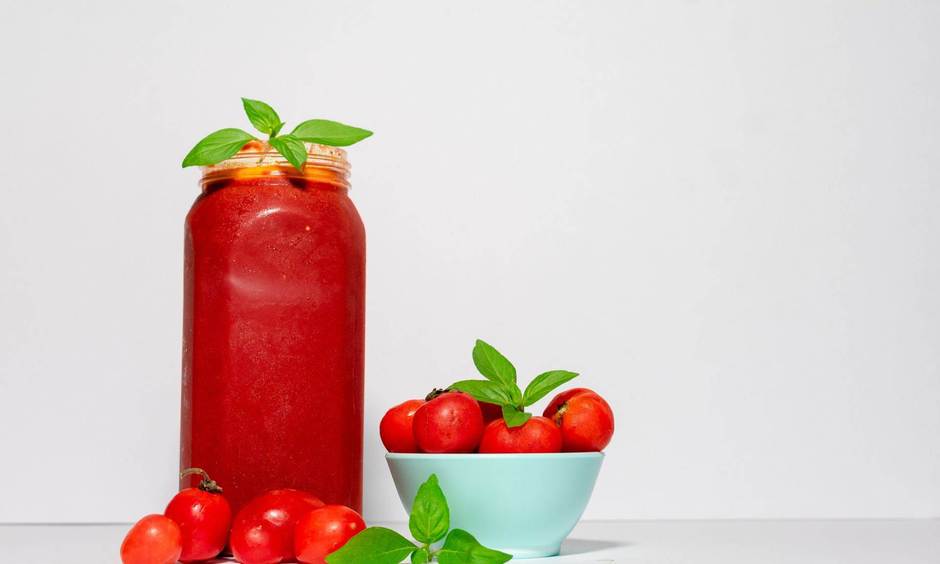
[[323, 163]]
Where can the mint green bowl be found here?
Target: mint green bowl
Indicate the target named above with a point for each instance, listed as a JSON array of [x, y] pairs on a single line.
[[523, 504]]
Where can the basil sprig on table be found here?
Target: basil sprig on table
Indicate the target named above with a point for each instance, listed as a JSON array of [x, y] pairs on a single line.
[[222, 144], [500, 386], [429, 523]]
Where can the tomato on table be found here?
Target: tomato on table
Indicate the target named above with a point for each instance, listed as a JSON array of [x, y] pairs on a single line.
[[263, 530], [155, 539], [324, 531]]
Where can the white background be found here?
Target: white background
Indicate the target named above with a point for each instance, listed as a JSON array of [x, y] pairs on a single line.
[[724, 214]]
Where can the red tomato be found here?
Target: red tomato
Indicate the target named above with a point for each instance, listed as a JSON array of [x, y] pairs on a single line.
[[562, 397], [395, 427], [585, 419], [491, 411], [155, 539], [204, 517], [323, 531], [263, 530], [538, 434], [451, 422]]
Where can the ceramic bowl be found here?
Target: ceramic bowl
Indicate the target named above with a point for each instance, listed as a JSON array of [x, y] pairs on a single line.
[[522, 504]]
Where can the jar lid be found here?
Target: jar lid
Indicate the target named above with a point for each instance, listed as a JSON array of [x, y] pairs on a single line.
[[258, 158]]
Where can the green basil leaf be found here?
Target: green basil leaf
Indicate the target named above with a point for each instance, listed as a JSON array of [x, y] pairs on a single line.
[[493, 365], [461, 548], [375, 545], [326, 132], [544, 383], [421, 556], [430, 517], [484, 390], [216, 147], [292, 148], [516, 395], [515, 417], [262, 116]]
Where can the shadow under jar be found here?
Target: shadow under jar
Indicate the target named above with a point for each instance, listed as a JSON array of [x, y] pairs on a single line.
[[274, 297]]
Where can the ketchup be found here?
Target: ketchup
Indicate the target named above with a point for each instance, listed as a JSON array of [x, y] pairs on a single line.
[[274, 288]]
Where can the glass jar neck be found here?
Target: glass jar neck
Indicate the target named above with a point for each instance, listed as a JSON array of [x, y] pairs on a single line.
[[325, 165]]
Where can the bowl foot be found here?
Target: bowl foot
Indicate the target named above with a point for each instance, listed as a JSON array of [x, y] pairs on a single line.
[[532, 552]]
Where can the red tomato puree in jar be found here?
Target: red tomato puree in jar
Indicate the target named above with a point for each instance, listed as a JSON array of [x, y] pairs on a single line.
[[274, 284]]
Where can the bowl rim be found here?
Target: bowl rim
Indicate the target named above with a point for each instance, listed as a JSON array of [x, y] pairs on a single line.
[[490, 456]]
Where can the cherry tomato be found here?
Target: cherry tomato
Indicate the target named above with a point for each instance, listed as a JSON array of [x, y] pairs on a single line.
[[263, 530], [538, 434], [155, 539], [395, 427], [451, 422], [585, 419], [323, 531], [491, 412], [204, 517]]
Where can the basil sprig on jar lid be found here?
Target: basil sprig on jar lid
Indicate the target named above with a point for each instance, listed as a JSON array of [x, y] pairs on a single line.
[[224, 143]]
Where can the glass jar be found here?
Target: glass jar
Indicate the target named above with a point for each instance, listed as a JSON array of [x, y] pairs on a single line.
[[274, 298]]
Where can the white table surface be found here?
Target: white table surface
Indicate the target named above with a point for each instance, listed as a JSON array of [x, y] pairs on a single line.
[[652, 542]]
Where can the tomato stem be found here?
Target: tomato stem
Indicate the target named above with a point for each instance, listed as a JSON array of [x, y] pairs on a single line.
[[207, 484], [436, 392]]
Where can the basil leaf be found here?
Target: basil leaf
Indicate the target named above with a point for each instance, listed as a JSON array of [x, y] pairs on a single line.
[[430, 517], [262, 116], [516, 395], [493, 365], [545, 382], [461, 548], [515, 417], [484, 390], [292, 148], [216, 147], [421, 556], [375, 545], [326, 132]]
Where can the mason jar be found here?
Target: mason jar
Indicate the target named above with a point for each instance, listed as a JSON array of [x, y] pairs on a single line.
[[274, 285]]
